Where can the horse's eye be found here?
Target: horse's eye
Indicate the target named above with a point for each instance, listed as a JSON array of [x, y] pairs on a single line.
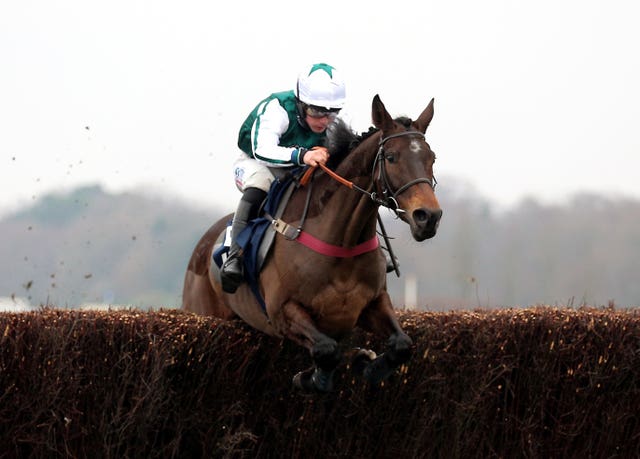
[[390, 157]]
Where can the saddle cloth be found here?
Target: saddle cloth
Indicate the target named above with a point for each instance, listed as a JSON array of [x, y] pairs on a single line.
[[257, 238]]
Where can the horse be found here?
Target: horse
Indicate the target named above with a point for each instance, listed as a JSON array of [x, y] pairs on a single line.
[[314, 299]]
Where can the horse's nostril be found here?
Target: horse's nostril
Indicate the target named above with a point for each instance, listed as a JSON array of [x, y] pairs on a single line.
[[421, 215]]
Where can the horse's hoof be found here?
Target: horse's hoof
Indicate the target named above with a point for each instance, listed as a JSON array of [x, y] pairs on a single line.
[[379, 369], [314, 381], [362, 360], [298, 381], [400, 349], [303, 381], [322, 380]]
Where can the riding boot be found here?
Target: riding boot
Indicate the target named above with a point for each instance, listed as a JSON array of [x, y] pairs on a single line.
[[232, 273]]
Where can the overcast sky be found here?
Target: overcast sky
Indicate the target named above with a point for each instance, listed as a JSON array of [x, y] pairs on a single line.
[[537, 99]]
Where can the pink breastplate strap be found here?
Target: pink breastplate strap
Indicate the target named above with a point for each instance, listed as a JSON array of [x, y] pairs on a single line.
[[331, 250]]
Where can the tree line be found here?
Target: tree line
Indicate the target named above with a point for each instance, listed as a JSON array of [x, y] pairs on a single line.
[[87, 246]]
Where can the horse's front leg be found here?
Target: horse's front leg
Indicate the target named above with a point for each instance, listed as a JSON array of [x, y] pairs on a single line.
[[379, 317], [324, 350]]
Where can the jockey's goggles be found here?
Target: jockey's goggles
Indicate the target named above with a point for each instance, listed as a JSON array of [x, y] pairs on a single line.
[[320, 112]]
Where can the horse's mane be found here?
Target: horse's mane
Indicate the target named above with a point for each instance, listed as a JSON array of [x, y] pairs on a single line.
[[342, 140]]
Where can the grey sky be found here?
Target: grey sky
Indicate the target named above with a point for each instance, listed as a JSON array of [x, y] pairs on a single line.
[[532, 98]]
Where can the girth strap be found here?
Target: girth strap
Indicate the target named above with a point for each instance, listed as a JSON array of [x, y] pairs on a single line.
[[322, 247]]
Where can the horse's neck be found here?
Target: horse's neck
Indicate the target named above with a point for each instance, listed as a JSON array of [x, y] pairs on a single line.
[[346, 216]]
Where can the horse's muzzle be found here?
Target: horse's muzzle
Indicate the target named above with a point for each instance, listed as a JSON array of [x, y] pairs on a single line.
[[425, 223]]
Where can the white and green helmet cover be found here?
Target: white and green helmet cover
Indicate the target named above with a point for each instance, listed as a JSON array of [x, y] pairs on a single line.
[[321, 85]]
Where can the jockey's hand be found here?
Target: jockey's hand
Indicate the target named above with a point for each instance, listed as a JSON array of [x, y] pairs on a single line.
[[317, 155]]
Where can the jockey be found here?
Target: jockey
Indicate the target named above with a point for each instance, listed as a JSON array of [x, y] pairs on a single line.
[[285, 130]]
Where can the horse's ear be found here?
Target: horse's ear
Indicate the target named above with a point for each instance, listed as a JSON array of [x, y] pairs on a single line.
[[422, 123], [381, 118]]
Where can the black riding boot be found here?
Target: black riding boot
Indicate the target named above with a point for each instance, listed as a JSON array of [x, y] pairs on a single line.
[[232, 274]]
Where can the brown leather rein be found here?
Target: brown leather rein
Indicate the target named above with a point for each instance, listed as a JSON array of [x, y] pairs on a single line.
[[389, 196]]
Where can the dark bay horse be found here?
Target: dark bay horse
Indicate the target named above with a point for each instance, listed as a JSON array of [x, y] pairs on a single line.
[[316, 300]]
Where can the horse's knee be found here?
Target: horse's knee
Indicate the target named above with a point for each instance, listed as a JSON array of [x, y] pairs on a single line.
[[326, 354]]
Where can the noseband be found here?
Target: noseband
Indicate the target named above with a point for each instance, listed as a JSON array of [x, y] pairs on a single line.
[[388, 194]]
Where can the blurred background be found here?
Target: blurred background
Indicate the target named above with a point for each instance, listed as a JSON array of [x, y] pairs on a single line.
[[118, 126]]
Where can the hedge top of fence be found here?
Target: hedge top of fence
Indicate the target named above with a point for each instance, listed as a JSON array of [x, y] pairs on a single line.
[[541, 381]]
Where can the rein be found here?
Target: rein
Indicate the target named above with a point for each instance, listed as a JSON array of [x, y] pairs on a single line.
[[389, 201], [389, 196], [315, 244]]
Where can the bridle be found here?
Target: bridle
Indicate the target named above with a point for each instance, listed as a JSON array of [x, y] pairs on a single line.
[[388, 194]]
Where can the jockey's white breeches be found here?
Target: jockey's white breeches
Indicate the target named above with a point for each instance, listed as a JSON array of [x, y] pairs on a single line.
[[249, 173]]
